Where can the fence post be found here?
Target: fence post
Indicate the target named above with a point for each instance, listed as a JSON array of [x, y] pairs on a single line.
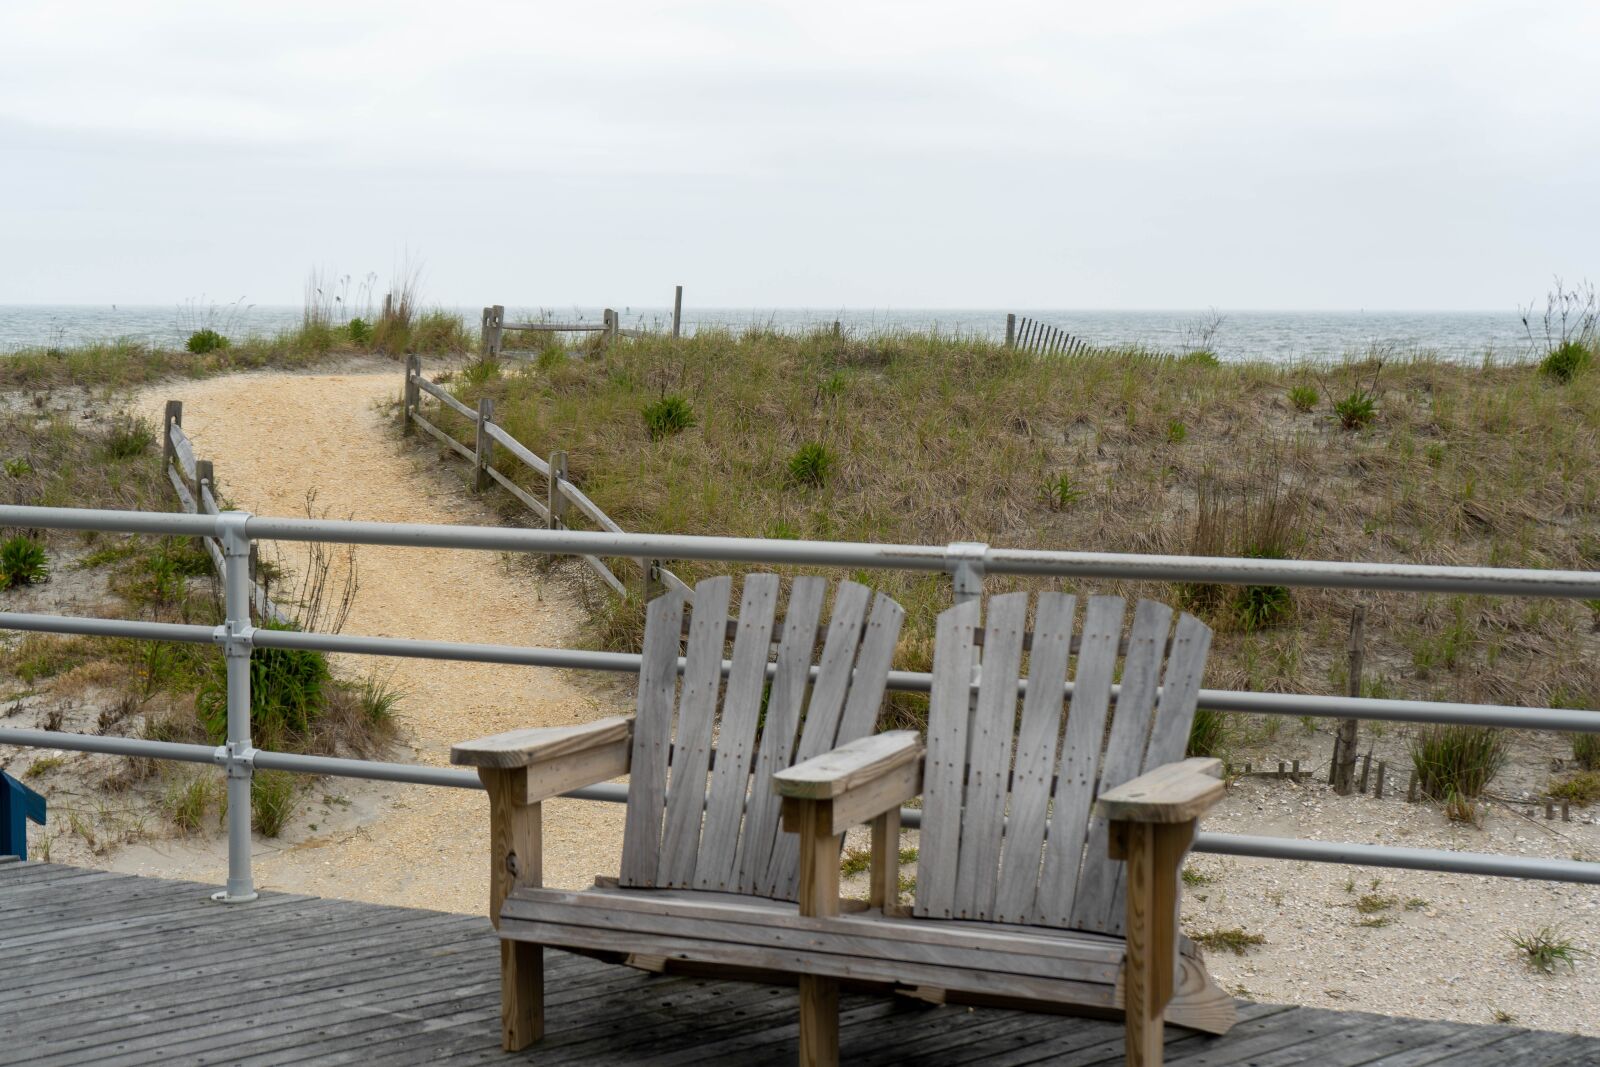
[[1345, 747], [483, 330], [964, 561], [408, 403], [610, 321], [1011, 329], [173, 417], [651, 578], [557, 500], [483, 454], [497, 330], [677, 309], [237, 755]]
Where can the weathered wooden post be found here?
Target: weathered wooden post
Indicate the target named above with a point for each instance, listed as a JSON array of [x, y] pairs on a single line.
[[609, 321], [483, 452], [413, 394], [1411, 789], [172, 417], [497, 331], [1377, 789], [483, 330], [1011, 329], [556, 500], [677, 309], [1366, 770], [1345, 749], [650, 577], [205, 477]]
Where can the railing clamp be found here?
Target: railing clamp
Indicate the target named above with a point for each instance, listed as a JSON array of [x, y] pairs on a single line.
[[964, 560], [234, 642], [240, 760]]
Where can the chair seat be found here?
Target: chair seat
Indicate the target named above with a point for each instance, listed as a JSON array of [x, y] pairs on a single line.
[[1023, 962]]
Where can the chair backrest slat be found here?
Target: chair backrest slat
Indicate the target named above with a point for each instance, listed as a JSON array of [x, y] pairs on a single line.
[[785, 701], [1080, 760], [1096, 904], [1007, 830], [945, 767], [736, 735], [855, 641], [652, 741], [989, 758], [691, 741], [723, 834], [1037, 743]]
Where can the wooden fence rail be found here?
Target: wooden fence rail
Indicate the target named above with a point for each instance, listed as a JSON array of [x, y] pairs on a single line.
[[1031, 335], [560, 492], [195, 480], [493, 326]]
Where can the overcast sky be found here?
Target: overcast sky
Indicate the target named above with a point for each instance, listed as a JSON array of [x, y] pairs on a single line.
[[860, 154]]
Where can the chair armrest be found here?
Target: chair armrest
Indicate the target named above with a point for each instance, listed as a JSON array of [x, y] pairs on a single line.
[[858, 781], [1172, 793], [555, 758]]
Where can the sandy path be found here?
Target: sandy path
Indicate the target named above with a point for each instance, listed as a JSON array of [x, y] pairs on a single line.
[[274, 437]]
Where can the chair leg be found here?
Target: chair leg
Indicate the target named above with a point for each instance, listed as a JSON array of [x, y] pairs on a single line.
[[1154, 852], [521, 994], [819, 1021]]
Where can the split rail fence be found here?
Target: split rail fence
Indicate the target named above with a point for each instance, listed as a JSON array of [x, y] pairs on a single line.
[[490, 441], [493, 326], [195, 482]]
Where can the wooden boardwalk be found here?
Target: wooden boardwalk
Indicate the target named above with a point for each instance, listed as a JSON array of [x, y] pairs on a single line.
[[113, 969]]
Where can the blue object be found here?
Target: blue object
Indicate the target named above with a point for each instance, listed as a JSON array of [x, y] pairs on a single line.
[[18, 804]]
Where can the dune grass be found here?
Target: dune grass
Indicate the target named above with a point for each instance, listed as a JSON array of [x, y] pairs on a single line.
[[932, 440]]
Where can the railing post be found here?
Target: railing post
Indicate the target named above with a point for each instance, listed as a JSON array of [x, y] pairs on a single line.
[[1011, 329], [964, 561], [413, 394], [173, 417], [484, 452], [556, 500], [677, 309], [497, 330], [237, 755]]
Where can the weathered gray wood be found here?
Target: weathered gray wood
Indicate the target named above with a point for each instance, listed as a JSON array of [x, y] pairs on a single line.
[[1097, 907], [989, 758], [691, 742], [870, 679], [442, 437], [556, 506], [483, 446], [517, 448], [581, 501], [785, 701], [1034, 771], [652, 740], [444, 397], [185, 498], [677, 309], [943, 779], [849, 766], [1080, 760], [182, 450], [821, 726], [717, 867], [525, 747], [521, 494]]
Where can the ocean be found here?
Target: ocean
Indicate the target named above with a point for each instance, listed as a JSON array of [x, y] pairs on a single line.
[[1278, 336]]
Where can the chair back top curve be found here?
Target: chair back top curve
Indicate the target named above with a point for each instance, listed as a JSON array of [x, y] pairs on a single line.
[[701, 811], [1008, 830]]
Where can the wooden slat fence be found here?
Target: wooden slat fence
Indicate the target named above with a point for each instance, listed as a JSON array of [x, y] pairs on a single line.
[[194, 480], [560, 493], [1031, 335]]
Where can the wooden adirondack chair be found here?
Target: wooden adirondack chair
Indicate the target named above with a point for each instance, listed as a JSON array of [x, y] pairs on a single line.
[[702, 854], [1022, 894]]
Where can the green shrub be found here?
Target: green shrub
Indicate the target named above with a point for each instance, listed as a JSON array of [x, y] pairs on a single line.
[[130, 436], [1545, 947], [378, 697], [23, 562], [811, 464], [18, 468], [272, 801], [1356, 410], [287, 691], [1261, 607], [1207, 733], [1566, 361], [1061, 492], [667, 416], [1304, 398], [1177, 432], [360, 331], [1201, 357], [207, 340], [1456, 763]]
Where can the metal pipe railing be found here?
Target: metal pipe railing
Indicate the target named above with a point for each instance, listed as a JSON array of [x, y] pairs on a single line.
[[966, 563]]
